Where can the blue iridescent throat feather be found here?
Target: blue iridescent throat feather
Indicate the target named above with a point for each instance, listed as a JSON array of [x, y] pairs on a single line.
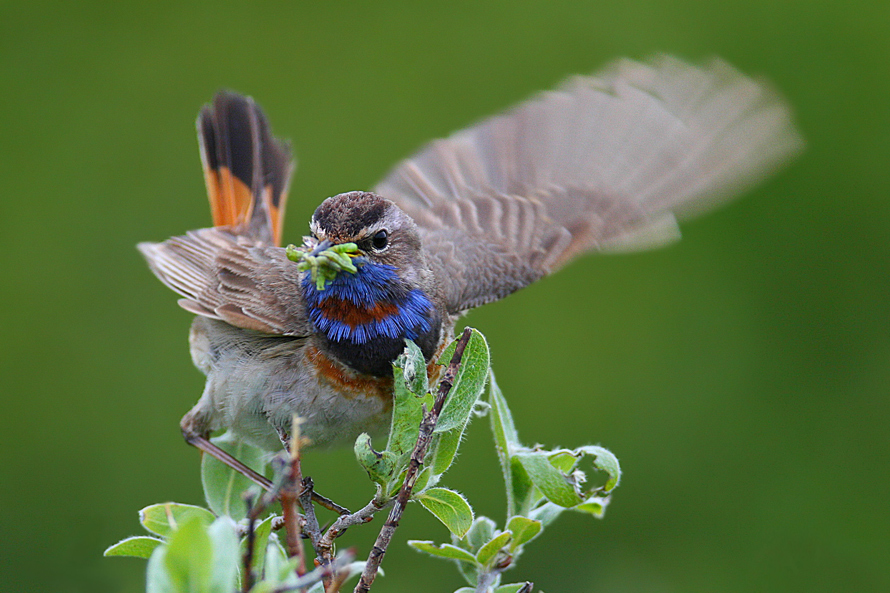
[[388, 309]]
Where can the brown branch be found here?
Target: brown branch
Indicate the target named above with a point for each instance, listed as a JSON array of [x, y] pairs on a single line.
[[363, 515], [427, 425], [289, 500], [331, 570], [311, 527], [248, 581]]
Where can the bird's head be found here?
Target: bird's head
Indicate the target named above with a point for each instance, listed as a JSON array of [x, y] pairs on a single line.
[[355, 229], [363, 265]]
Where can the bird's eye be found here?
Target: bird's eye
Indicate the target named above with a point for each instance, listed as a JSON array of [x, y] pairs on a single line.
[[380, 239]]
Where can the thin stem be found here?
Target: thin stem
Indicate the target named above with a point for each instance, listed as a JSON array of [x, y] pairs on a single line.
[[311, 527], [363, 515], [427, 425], [320, 573], [247, 583], [289, 501]]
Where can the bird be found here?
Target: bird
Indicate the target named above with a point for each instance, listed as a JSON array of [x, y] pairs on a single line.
[[605, 162]]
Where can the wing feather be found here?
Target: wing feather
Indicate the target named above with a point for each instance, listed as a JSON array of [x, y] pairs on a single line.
[[604, 162], [226, 276]]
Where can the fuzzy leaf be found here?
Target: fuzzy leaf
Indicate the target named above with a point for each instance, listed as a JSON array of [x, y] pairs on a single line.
[[157, 579], [546, 513], [606, 461], [468, 384], [489, 551], [189, 558], [553, 484], [407, 410], [379, 464], [450, 508], [276, 571], [524, 530], [520, 491], [138, 547], [261, 534], [443, 551], [595, 505], [563, 460], [164, 518], [481, 532], [226, 556], [223, 486], [446, 445], [414, 369]]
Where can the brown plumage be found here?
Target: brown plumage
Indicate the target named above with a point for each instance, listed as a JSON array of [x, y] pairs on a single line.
[[605, 162]]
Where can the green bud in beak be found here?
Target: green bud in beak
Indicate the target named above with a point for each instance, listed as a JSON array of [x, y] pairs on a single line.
[[324, 261]]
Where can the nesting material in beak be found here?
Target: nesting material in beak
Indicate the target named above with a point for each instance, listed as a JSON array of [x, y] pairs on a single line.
[[324, 261]]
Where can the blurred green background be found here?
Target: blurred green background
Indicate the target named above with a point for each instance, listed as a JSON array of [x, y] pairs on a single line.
[[740, 375]]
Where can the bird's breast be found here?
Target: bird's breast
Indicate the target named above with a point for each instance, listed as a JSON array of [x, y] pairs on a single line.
[[364, 318]]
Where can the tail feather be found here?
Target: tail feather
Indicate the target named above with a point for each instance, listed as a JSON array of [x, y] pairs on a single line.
[[246, 169]]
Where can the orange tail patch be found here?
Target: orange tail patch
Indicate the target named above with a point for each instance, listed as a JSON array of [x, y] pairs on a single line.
[[247, 171]]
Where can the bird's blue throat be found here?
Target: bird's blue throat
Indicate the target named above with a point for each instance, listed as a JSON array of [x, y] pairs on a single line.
[[366, 316]]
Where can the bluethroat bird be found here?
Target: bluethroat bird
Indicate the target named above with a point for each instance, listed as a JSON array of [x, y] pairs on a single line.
[[605, 162]]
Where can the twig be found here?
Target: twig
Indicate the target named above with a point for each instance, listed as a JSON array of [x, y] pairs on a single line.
[[311, 527], [427, 425], [363, 515], [289, 496], [329, 504], [320, 573], [247, 582]]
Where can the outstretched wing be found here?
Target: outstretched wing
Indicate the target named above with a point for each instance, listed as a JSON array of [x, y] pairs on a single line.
[[604, 162], [227, 276]]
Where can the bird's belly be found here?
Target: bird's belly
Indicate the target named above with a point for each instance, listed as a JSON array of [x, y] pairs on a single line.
[[256, 384]]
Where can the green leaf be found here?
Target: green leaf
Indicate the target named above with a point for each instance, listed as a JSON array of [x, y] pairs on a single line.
[[413, 366], [554, 485], [563, 460], [505, 435], [443, 551], [445, 445], [595, 505], [138, 547], [379, 464], [546, 513], [407, 411], [276, 569], [450, 508], [189, 558], [606, 461], [223, 486], [521, 497], [423, 480], [481, 532], [226, 556], [524, 530], [488, 552], [261, 533], [157, 579], [163, 519], [468, 385], [525, 495]]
